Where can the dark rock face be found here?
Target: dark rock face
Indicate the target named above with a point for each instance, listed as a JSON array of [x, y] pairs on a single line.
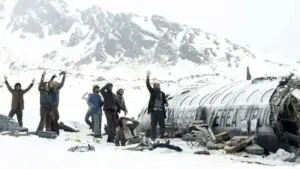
[[101, 35]]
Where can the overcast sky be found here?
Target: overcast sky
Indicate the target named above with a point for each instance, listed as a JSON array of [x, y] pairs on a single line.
[[269, 25]]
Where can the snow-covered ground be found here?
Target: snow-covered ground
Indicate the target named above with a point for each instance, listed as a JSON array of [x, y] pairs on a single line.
[[22, 58], [31, 152]]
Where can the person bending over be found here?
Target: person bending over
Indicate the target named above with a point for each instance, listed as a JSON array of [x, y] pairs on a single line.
[[125, 133]]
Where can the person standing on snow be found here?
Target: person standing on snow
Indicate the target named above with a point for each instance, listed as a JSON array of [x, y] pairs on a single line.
[[88, 115], [17, 102], [156, 107], [121, 100], [45, 105], [95, 108], [54, 89], [110, 106]]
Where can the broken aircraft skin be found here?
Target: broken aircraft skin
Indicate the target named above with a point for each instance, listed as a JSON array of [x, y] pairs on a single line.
[[267, 108], [8, 124]]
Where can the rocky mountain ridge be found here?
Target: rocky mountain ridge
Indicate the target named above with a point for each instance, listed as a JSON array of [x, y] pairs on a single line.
[[103, 36]]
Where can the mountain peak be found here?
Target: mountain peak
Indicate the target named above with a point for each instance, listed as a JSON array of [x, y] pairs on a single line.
[[73, 38]]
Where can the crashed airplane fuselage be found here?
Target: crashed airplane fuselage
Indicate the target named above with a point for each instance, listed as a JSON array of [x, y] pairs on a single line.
[[265, 108], [8, 124]]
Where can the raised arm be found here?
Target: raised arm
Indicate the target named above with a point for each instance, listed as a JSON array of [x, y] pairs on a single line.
[[102, 90], [61, 84], [29, 87], [7, 84], [84, 96], [150, 89], [42, 81], [134, 124]]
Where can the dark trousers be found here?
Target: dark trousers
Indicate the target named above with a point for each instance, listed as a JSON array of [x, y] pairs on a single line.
[[117, 116], [111, 119], [157, 116], [54, 114], [19, 114], [88, 122], [45, 119]]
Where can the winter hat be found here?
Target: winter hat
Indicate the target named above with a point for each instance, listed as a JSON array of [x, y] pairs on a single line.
[[17, 84]]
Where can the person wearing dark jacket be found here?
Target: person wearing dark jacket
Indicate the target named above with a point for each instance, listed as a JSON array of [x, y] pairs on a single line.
[[110, 108], [120, 93], [54, 89], [17, 103], [95, 108], [45, 105], [125, 133], [156, 107]]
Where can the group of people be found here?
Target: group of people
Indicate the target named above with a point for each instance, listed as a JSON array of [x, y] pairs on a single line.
[[49, 101], [118, 130]]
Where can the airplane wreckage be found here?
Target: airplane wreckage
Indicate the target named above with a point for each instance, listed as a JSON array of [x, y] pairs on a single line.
[[262, 111], [265, 111], [9, 126]]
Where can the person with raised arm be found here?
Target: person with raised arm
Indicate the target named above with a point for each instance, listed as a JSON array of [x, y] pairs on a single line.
[[17, 102], [156, 107]]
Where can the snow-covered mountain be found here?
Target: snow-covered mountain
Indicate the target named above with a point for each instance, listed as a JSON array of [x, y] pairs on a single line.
[[96, 46], [55, 34]]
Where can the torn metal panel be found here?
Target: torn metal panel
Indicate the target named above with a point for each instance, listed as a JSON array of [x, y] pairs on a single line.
[[8, 124]]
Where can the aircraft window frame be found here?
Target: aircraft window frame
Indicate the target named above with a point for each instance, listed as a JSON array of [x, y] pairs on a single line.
[[183, 100], [234, 101], [252, 94], [261, 99], [216, 96], [222, 101], [193, 99], [203, 98]]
